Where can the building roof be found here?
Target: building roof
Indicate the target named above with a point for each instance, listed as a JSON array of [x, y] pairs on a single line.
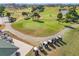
[[6, 49]]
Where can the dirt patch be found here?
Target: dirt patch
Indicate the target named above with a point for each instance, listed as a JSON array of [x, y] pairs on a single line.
[[2, 26], [12, 35], [53, 52]]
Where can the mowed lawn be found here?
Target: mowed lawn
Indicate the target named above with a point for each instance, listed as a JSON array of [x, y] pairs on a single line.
[[49, 27], [72, 40]]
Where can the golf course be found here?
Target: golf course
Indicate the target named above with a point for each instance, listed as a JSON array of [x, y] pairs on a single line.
[[49, 27], [35, 27]]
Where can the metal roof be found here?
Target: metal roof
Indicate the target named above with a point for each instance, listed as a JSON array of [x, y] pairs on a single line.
[[6, 48]]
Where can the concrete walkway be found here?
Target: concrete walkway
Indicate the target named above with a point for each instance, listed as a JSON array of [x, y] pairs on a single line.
[[23, 47]]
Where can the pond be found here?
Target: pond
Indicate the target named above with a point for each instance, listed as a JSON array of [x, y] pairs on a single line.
[[64, 12]]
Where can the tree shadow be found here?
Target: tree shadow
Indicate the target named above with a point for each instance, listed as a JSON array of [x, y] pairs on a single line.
[[39, 21], [70, 27], [26, 18]]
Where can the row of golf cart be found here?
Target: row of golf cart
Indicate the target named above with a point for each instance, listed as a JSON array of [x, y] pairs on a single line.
[[49, 43]]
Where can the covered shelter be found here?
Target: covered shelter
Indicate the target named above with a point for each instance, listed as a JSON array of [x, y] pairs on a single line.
[[7, 49]]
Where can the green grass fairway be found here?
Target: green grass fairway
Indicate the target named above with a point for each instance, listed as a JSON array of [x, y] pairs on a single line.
[[49, 27], [38, 29], [72, 47]]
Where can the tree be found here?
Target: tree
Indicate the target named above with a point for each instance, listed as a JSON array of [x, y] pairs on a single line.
[[36, 16], [24, 13], [2, 8], [11, 19], [40, 8], [69, 16], [8, 14], [27, 15], [59, 16], [33, 8], [72, 15]]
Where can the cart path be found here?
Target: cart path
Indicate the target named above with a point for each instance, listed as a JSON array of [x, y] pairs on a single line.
[[23, 47], [33, 39], [29, 38]]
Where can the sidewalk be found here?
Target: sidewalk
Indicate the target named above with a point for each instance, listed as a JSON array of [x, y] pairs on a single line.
[[23, 47]]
